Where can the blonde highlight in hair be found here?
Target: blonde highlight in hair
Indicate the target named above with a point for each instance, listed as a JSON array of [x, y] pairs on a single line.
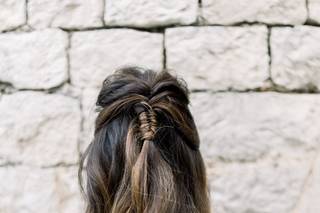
[[145, 153]]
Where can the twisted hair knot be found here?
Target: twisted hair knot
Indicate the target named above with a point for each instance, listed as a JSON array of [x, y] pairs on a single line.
[[147, 121]]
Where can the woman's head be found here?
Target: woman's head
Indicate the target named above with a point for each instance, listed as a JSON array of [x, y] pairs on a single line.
[[145, 153]]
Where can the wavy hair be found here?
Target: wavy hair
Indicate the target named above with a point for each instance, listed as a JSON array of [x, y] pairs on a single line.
[[145, 156]]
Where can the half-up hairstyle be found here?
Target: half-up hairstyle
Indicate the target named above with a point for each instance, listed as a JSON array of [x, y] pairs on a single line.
[[145, 156]]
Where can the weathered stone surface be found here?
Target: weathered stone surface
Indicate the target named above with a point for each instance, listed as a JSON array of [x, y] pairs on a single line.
[[296, 57], [66, 14], [69, 90], [29, 190], [309, 202], [266, 11], [219, 58], [314, 10], [34, 60], [96, 54], [260, 187], [144, 13], [38, 129], [12, 15], [249, 126], [89, 98]]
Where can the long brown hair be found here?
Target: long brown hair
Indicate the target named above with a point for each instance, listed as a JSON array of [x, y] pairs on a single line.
[[145, 156]]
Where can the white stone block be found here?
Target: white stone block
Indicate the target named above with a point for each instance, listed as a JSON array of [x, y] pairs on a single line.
[[314, 10], [29, 190], [39, 129], [265, 11], [12, 14], [245, 127], [219, 58], [96, 54], [262, 187], [145, 13], [34, 60], [74, 14], [296, 57]]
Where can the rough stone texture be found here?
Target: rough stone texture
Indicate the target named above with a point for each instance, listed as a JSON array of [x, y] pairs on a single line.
[[219, 58], [309, 202], [144, 13], [260, 187], [89, 98], [96, 54], [38, 129], [246, 127], [314, 10], [35, 60], [296, 57], [29, 190], [66, 14], [12, 14], [261, 148], [265, 11]]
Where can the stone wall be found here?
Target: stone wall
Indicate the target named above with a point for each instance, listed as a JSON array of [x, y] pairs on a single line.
[[253, 68]]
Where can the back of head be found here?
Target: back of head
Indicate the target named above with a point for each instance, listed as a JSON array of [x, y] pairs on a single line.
[[145, 153]]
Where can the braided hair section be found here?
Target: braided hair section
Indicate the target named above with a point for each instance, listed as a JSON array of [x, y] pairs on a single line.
[[147, 121]]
